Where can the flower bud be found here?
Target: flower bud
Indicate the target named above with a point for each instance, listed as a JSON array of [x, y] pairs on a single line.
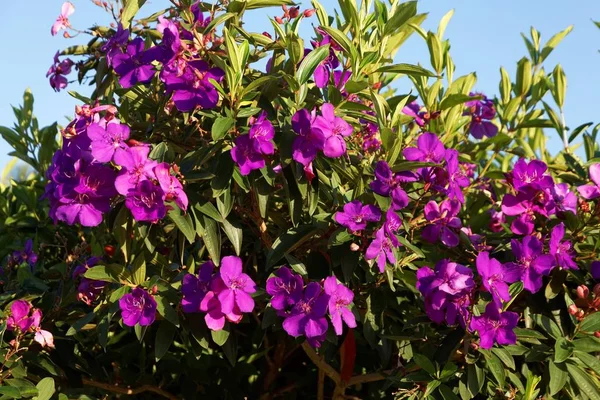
[[309, 13], [294, 12], [580, 315], [66, 35], [354, 247], [583, 292], [596, 290], [573, 309], [154, 289], [267, 34], [597, 334], [109, 250]]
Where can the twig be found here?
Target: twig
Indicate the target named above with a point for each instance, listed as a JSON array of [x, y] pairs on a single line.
[[320, 362], [129, 391], [321, 386]]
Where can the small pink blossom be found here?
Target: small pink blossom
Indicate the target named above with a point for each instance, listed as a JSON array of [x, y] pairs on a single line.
[[62, 22]]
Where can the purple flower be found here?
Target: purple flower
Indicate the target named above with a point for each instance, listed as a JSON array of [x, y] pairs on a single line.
[[447, 292], [262, 134], [194, 288], [114, 45], [170, 185], [246, 156], [497, 218], [494, 277], [392, 225], [530, 262], [429, 149], [562, 251], [340, 298], [309, 141], [564, 199], [335, 129], [26, 255], [19, 318], [595, 270], [387, 183], [355, 216], [323, 70], [62, 22], [134, 66], [413, 109], [136, 167], [456, 178], [524, 209], [57, 72], [89, 290], [138, 307], [106, 140], [238, 286], [530, 175], [308, 316], [443, 222], [482, 112], [590, 191], [192, 88], [215, 317], [380, 249], [286, 289], [146, 202], [494, 326]]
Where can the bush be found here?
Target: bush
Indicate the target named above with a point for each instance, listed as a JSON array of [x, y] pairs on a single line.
[[207, 229]]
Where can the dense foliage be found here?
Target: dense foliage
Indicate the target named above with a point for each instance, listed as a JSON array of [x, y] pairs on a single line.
[[235, 215]]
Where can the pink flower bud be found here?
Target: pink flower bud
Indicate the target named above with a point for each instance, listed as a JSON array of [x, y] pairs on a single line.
[[354, 247], [279, 20], [597, 334], [294, 12], [583, 292], [309, 13], [573, 309]]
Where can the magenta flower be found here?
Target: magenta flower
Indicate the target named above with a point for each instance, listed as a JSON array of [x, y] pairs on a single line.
[[192, 88], [564, 199], [387, 183], [136, 167], [309, 141], [89, 290], [452, 278], [58, 71], [523, 207], [562, 250], [335, 129], [62, 22], [138, 307], [170, 185], [595, 270], [497, 218], [135, 65], [481, 112], [262, 134], [429, 149], [44, 338], [414, 110], [340, 298], [591, 191], [530, 175], [308, 316], [456, 177], [19, 318], [194, 288], [26, 255], [530, 262], [146, 202], [106, 140], [443, 222], [285, 288], [494, 277], [355, 216], [246, 156], [238, 286], [392, 225], [494, 326], [381, 249], [115, 44], [215, 317]]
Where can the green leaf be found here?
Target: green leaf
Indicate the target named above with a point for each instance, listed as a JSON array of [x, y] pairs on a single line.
[[130, 8], [212, 239], [9, 392], [106, 273], [138, 269], [46, 389], [220, 337], [591, 361], [164, 339], [582, 380], [183, 222], [289, 241], [402, 13], [252, 4], [80, 323], [558, 377], [548, 325], [563, 349], [447, 393], [454, 100], [494, 364], [591, 323], [166, 310], [406, 69], [436, 52], [475, 379], [309, 64], [221, 126], [554, 41], [233, 230], [425, 363], [342, 40]]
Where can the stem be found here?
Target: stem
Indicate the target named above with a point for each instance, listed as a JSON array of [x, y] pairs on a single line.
[[564, 131], [320, 362], [129, 391]]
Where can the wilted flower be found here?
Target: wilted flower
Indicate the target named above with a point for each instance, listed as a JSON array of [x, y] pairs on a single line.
[[310, 140], [170, 185], [387, 183], [58, 71], [26, 255], [194, 288]]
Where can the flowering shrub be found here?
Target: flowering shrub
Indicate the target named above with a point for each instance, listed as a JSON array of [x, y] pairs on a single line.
[[234, 214]]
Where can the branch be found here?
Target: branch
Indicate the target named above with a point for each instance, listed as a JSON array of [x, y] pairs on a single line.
[[319, 361], [374, 377], [129, 391]]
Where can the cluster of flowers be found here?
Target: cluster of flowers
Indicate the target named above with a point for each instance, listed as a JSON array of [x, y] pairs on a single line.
[[250, 149], [222, 295], [304, 307], [23, 318], [82, 181]]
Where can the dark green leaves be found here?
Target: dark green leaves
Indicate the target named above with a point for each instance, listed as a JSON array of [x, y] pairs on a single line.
[[221, 126], [289, 241], [309, 64], [591, 323]]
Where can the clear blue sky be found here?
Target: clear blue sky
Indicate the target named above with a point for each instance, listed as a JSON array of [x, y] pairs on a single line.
[[484, 35]]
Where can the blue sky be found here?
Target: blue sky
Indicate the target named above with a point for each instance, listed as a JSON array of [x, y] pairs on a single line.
[[484, 35]]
